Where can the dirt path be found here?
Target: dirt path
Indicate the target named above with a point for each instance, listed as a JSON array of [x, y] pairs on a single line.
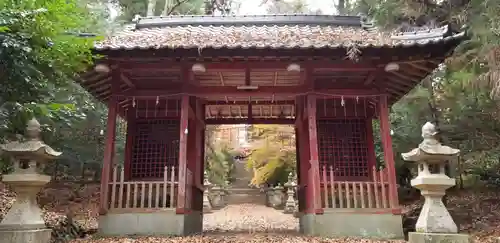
[[249, 218]]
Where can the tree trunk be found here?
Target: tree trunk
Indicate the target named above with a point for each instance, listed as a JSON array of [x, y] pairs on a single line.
[[166, 8], [151, 8], [341, 7], [209, 7]]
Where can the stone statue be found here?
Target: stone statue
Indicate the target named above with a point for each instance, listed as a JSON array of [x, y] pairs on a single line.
[[23, 222], [434, 223]]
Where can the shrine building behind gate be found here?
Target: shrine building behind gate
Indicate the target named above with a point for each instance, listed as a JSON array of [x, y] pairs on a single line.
[[165, 78]]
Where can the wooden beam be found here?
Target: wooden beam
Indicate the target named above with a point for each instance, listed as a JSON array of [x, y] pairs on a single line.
[[222, 121], [195, 117], [345, 66], [413, 81], [262, 91], [127, 81], [407, 85], [414, 71], [253, 102], [422, 67], [369, 80]]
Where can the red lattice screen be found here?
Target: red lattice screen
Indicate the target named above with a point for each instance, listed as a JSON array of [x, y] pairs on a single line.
[[343, 143], [156, 145]]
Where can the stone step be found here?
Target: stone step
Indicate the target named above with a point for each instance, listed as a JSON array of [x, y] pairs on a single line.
[[246, 195]]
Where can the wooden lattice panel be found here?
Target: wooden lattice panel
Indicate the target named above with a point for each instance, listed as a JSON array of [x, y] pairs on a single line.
[[343, 143], [156, 145]]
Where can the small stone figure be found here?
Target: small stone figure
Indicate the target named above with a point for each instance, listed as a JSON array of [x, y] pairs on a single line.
[[23, 222], [434, 223]]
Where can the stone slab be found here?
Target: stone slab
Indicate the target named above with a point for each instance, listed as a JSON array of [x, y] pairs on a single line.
[[416, 237], [352, 224], [159, 223], [25, 236]]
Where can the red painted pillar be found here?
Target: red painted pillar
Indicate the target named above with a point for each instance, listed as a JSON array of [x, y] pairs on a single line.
[[372, 159], [199, 143], [385, 134], [302, 153], [183, 138], [129, 143], [108, 148], [313, 188]]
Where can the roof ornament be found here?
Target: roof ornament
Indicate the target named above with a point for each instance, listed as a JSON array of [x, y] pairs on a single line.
[[414, 33], [367, 23]]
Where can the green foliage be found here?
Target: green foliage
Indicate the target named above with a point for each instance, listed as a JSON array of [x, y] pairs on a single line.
[[462, 97], [220, 164], [37, 53], [40, 56], [273, 156], [130, 8]]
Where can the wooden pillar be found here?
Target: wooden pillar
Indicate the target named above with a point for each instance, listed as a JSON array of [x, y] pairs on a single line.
[[372, 158], [302, 141], [183, 137], [129, 143], [313, 195], [109, 147], [298, 164], [195, 160], [385, 134], [202, 147]]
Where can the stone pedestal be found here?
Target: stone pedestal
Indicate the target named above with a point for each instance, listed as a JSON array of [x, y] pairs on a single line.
[[434, 217], [24, 213], [416, 237], [25, 236], [24, 222]]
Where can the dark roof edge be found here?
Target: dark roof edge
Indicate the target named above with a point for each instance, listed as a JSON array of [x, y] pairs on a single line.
[[248, 20]]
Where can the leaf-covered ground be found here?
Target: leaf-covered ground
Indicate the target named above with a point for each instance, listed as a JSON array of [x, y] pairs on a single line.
[[476, 212]]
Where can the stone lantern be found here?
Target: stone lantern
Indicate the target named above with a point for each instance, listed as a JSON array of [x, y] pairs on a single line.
[[207, 207], [290, 204], [23, 222], [434, 223]]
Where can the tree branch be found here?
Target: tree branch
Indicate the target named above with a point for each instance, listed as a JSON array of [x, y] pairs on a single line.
[[178, 3]]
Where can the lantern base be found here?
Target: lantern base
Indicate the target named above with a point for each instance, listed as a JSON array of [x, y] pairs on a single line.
[[416, 237], [26, 236]]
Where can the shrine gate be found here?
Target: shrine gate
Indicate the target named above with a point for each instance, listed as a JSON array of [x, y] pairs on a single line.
[[166, 78]]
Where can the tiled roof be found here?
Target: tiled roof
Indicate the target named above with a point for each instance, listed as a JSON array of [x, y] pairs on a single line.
[[271, 31]]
